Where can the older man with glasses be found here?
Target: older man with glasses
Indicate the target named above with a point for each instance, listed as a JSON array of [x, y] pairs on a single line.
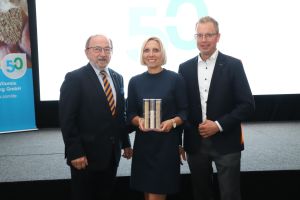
[[91, 110]]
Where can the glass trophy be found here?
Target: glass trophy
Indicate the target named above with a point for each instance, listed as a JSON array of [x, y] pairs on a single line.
[[152, 113]]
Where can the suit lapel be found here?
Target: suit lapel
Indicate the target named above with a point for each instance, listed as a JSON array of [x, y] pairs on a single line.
[[117, 84], [93, 77], [116, 81], [217, 74], [97, 87], [194, 78], [96, 83]]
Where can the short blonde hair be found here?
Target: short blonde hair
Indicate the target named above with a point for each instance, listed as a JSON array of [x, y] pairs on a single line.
[[163, 51], [207, 19]]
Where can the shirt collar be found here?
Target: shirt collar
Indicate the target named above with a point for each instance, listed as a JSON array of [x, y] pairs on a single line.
[[213, 57], [97, 70]]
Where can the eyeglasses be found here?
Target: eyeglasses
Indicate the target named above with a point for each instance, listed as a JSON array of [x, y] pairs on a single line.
[[97, 49], [206, 35]]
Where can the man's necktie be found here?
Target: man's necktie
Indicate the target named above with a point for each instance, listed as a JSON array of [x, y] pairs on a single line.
[[108, 92]]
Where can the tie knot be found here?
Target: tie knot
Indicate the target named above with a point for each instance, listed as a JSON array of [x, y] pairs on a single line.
[[103, 73]]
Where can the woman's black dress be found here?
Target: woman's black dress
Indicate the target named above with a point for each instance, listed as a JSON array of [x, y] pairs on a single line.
[[156, 162]]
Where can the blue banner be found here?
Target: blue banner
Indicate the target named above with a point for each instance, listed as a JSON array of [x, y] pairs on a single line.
[[16, 84], [16, 95]]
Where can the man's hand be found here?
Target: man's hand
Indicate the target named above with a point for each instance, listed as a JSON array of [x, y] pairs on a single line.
[[80, 163], [182, 154], [208, 128], [127, 153]]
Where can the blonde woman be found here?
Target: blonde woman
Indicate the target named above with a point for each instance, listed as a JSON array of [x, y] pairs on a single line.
[[156, 162]]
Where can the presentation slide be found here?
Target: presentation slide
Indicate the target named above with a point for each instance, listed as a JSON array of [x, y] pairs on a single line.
[[264, 34]]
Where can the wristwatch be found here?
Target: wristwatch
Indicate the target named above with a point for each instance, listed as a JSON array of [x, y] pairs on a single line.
[[173, 123]]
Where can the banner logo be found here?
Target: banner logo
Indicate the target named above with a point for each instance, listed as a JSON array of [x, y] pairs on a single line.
[[14, 65]]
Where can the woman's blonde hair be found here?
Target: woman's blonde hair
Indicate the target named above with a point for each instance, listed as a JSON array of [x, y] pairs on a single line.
[[163, 51]]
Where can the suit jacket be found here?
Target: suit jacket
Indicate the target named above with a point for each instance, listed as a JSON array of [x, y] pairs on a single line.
[[230, 102], [87, 125]]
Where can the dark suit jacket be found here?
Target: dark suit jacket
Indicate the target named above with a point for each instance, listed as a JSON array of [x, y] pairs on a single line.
[[87, 126], [230, 102]]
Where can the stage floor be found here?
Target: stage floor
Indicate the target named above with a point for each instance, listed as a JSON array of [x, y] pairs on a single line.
[[39, 155]]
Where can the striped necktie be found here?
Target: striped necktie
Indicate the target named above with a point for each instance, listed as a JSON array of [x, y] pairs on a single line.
[[108, 91]]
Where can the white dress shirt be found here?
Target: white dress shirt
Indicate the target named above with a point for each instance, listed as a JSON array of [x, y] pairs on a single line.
[[205, 72]]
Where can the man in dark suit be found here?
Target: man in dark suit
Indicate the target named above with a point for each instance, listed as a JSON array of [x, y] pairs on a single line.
[[219, 99], [92, 125]]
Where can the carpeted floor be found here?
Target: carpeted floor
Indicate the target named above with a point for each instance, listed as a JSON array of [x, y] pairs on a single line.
[[38, 155]]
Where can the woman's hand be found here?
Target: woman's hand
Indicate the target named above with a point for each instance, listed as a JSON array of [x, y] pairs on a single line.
[[166, 126]]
